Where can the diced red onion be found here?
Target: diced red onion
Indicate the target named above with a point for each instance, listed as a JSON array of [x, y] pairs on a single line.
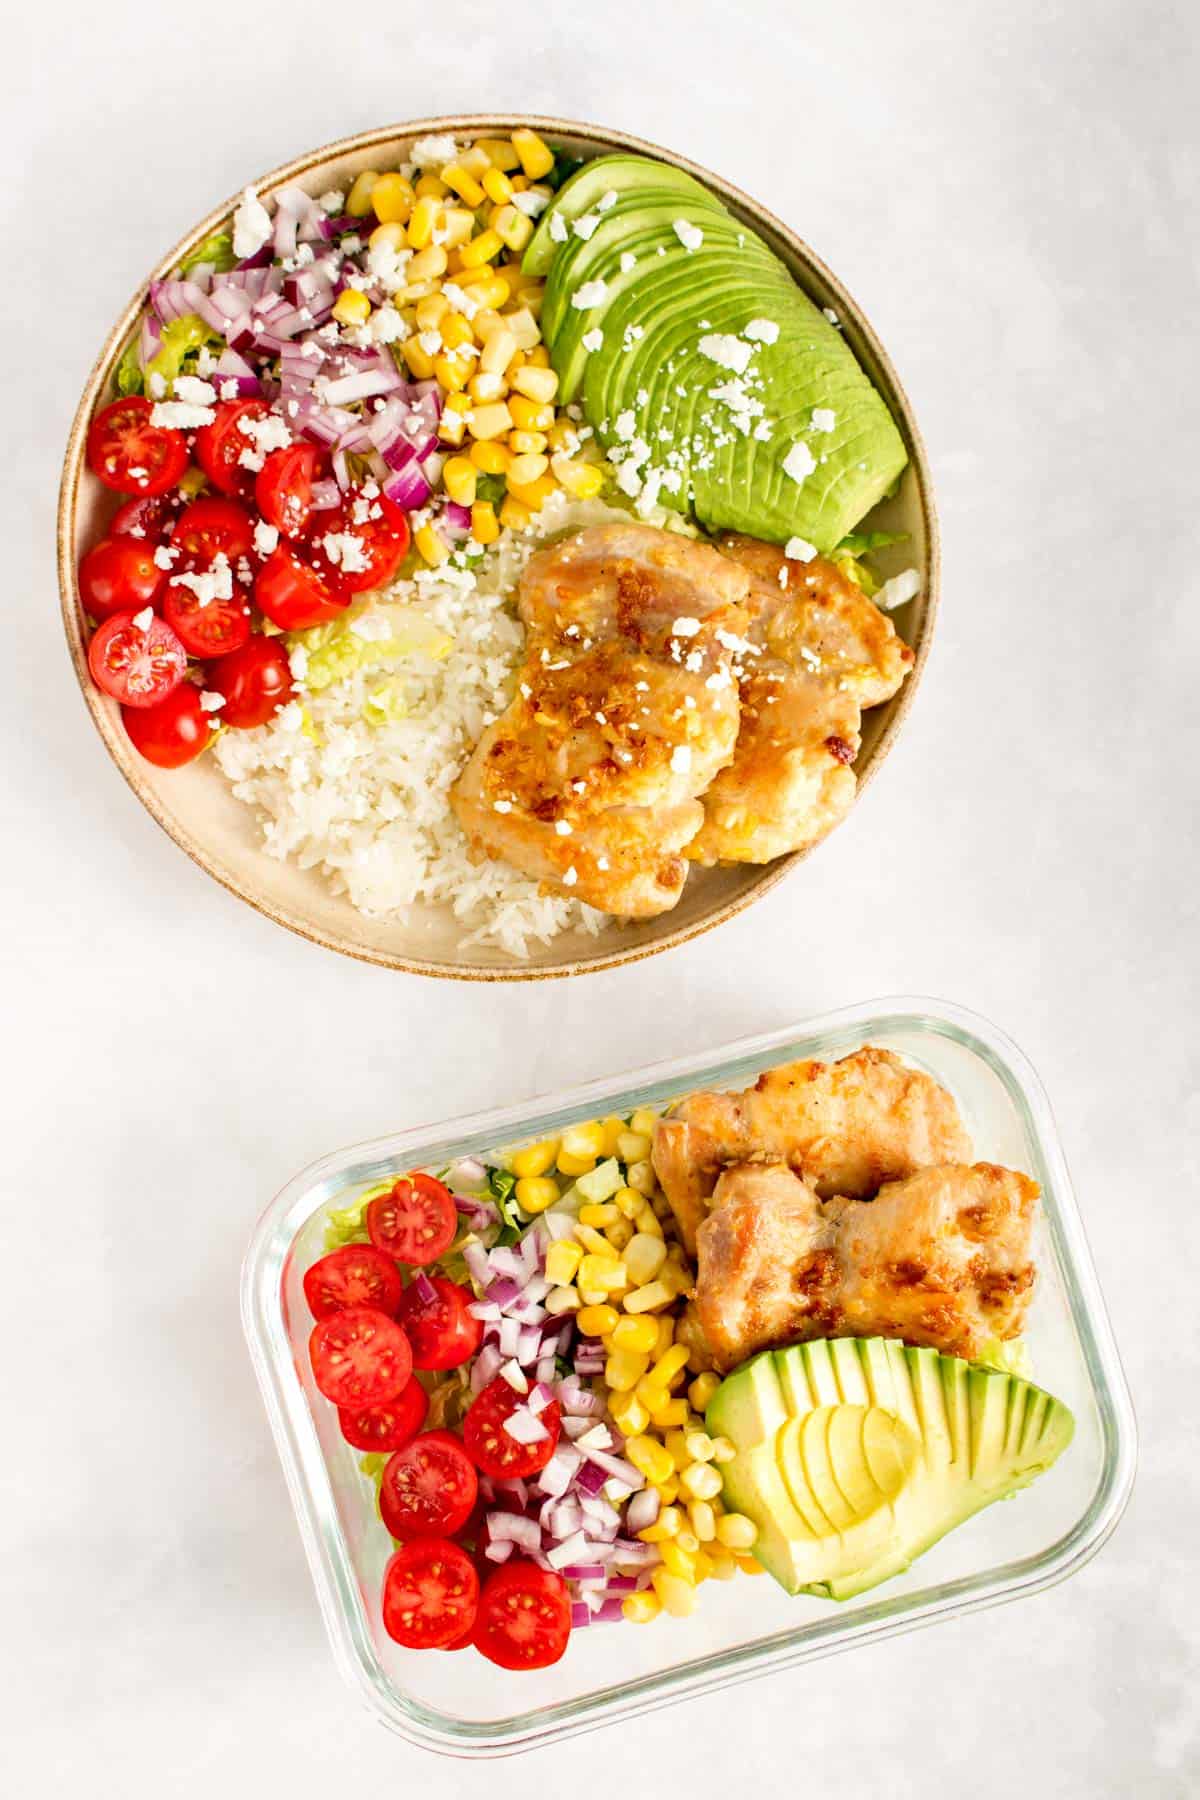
[[642, 1510], [476, 1259], [559, 1472], [529, 1344], [515, 1377], [621, 1584], [539, 1396], [510, 1337], [149, 340], [457, 519], [581, 1615], [633, 1555], [574, 1398], [502, 1290], [585, 1572], [524, 1427], [485, 1368], [591, 1478], [499, 1550], [569, 1551], [363, 386], [618, 1468], [609, 1612], [425, 1290], [514, 1528], [504, 1261], [544, 1368]]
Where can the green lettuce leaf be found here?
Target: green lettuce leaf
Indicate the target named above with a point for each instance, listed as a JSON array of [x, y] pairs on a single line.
[[850, 556], [336, 651], [182, 338], [217, 249], [129, 370], [1011, 1357]]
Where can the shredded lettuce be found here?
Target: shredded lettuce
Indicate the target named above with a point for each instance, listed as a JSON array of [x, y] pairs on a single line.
[[129, 370], [849, 556], [182, 338], [347, 1224], [1011, 1357], [501, 1183], [217, 250], [387, 634]]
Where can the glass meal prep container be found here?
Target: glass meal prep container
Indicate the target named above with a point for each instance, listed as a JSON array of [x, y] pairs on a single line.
[[466, 1706]]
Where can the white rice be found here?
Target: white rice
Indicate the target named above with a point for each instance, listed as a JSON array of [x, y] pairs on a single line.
[[366, 803]]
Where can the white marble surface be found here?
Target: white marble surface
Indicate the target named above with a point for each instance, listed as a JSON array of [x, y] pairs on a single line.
[[1011, 192]]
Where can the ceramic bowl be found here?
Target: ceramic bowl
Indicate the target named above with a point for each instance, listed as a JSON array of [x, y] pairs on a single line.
[[196, 806]]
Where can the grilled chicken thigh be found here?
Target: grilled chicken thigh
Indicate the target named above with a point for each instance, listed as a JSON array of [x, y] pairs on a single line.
[[845, 1126], [625, 710], [823, 651], [940, 1258]]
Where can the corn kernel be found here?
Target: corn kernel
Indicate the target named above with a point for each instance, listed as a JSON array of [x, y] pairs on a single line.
[[538, 386], [634, 1147], [666, 1335], [386, 237], [736, 1531], [668, 1490], [421, 224], [490, 290], [674, 1442], [702, 1390], [690, 1543], [647, 1219], [667, 1525], [640, 1335], [456, 332], [700, 1480], [644, 1120], [452, 426], [513, 227], [352, 307], [358, 200], [490, 458], [670, 1413], [485, 388], [430, 547], [496, 185], [603, 1274], [561, 1300], [525, 470], [539, 358], [499, 152], [428, 264], [623, 1370], [431, 187], [597, 1321], [641, 1176], [571, 1165], [721, 1565], [649, 1456], [537, 159], [699, 1446], [630, 1415], [679, 1561], [722, 1450], [533, 494], [533, 443], [646, 1299], [453, 372], [534, 1159], [704, 1521], [598, 1216], [749, 1565], [649, 1393], [392, 198], [485, 526], [531, 415], [460, 476], [644, 1257], [582, 481], [463, 183], [490, 422], [429, 312], [585, 1139], [628, 1202], [669, 1366], [619, 1234], [454, 228], [481, 249], [593, 1240], [641, 1608], [516, 517], [536, 1192], [524, 327], [562, 1261]]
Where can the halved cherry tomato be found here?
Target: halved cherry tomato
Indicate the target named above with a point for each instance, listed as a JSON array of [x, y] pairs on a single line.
[[416, 1221], [148, 516], [381, 537], [210, 527], [495, 1451], [130, 454], [523, 1619], [295, 594], [429, 1488], [356, 1275], [283, 488], [171, 733], [119, 574], [430, 1593], [138, 665], [389, 1426], [207, 627], [255, 681], [220, 445], [442, 1332], [359, 1357]]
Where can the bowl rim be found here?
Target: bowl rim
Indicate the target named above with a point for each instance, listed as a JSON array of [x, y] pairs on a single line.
[[105, 718]]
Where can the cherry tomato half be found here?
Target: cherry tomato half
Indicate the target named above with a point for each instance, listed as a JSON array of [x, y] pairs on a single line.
[[429, 1487], [172, 732], [359, 1357], [368, 537], [283, 488], [207, 625], [138, 665], [130, 454], [430, 1592], [416, 1221], [210, 527], [219, 446], [443, 1333], [295, 594], [119, 574], [495, 1451], [255, 682], [148, 516], [523, 1619], [389, 1426], [356, 1275]]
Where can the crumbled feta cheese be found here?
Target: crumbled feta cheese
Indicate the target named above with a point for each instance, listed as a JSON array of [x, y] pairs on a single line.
[[332, 201], [533, 202], [823, 418], [761, 331], [345, 551], [502, 806], [689, 235], [588, 294], [178, 415], [213, 583], [628, 262], [685, 627], [194, 391], [434, 151], [165, 555], [727, 351], [899, 590], [563, 827], [267, 433], [570, 878], [266, 537], [298, 662], [799, 549], [831, 315], [211, 702], [593, 339], [681, 759], [585, 224], [459, 300], [251, 225], [799, 462], [144, 619], [156, 385], [626, 425], [387, 327], [230, 389], [558, 228]]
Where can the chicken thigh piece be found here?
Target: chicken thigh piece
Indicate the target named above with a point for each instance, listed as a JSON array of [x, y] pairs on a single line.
[[625, 709], [845, 1126], [823, 652], [941, 1258]]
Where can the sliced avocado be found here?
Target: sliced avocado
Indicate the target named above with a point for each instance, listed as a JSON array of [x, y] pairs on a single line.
[[846, 1491], [635, 228], [589, 185]]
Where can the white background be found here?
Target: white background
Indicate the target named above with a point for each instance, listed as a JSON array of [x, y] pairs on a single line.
[[1011, 192]]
